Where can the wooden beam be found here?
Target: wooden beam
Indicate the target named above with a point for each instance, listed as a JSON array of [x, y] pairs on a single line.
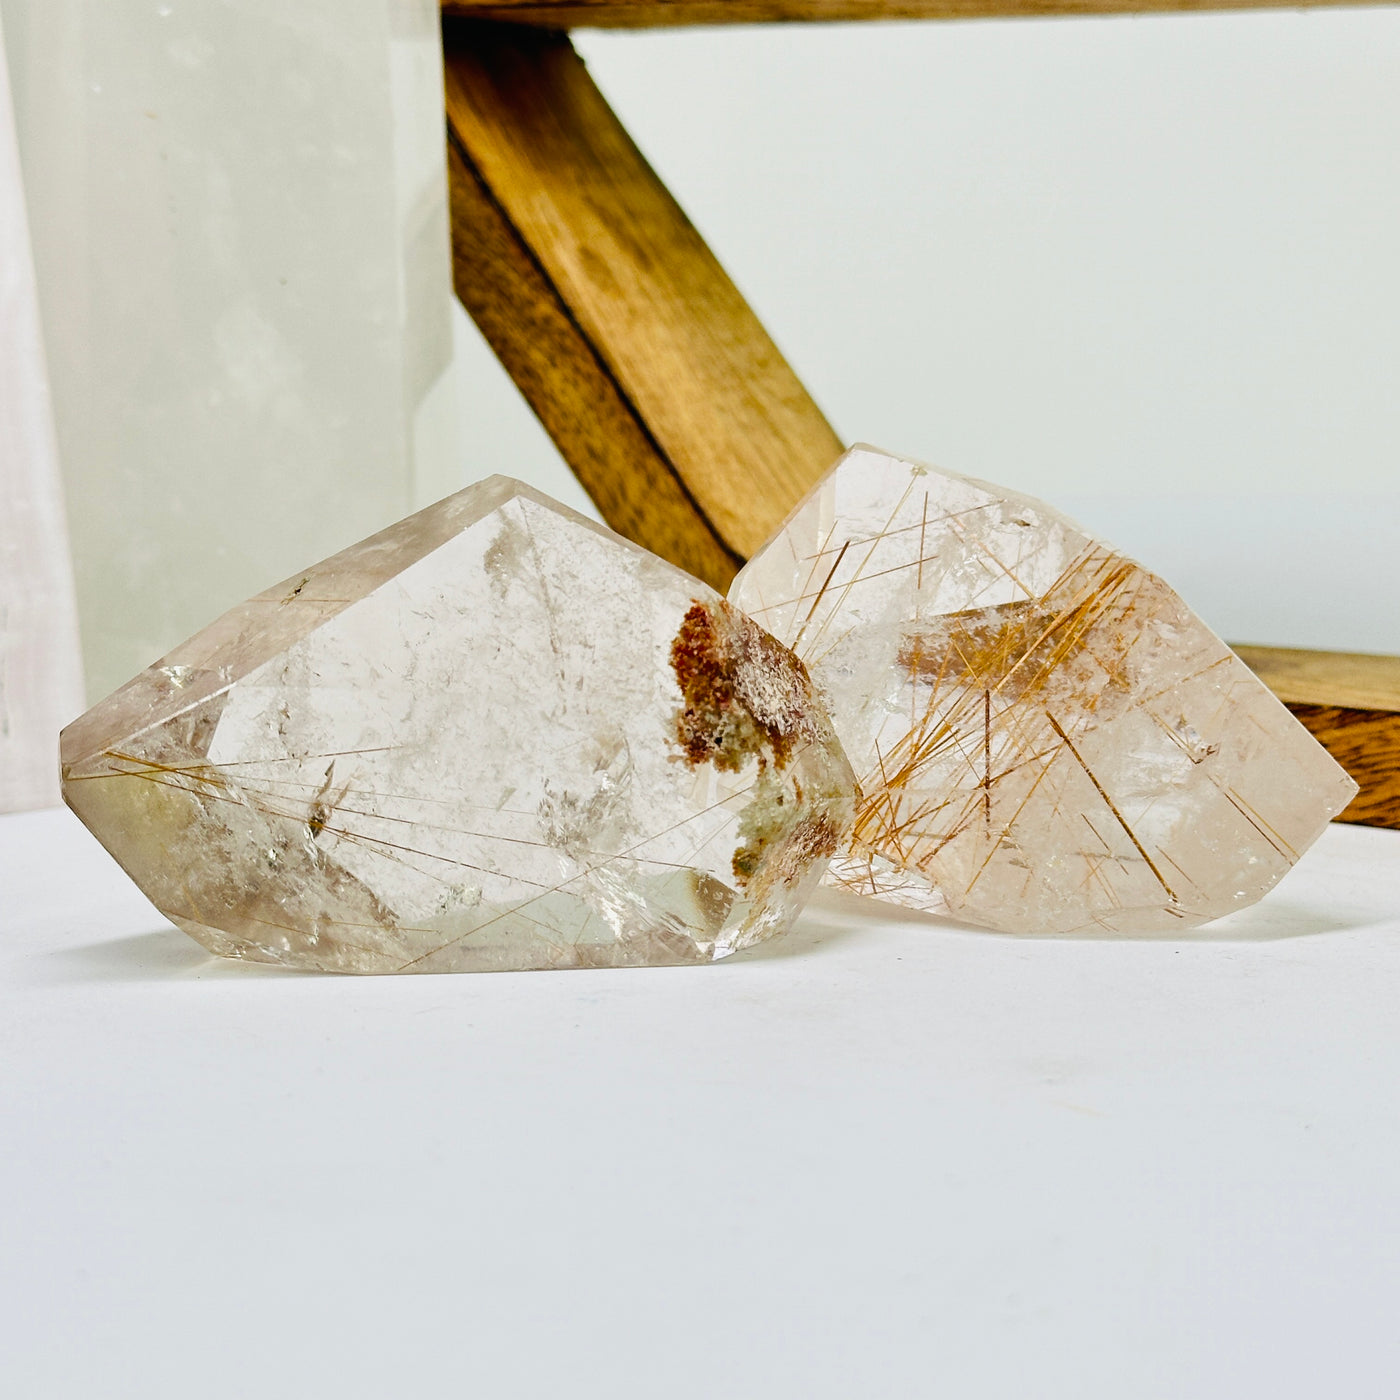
[[581, 405], [660, 387], [1350, 703], [653, 14], [1353, 679]]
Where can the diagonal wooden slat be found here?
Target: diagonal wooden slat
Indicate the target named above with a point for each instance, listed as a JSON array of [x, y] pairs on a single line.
[[583, 408], [654, 14], [658, 383]]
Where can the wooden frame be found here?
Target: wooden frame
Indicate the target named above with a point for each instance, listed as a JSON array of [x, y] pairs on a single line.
[[659, 14], [655, 379]]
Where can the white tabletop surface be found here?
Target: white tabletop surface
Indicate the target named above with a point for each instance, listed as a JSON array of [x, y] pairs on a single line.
[[885, 1157]]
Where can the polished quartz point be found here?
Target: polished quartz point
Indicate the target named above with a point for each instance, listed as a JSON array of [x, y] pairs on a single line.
[[494, 736], [1046, 738]]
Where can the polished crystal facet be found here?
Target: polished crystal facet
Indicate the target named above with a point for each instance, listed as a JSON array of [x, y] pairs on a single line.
[[1047, 739], [494, 736]]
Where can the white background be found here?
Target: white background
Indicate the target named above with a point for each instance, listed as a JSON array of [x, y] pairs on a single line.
[[883, 1158], [1148, 268]]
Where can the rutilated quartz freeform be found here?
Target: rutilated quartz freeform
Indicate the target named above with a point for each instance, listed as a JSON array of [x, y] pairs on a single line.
[[493, 736], [1047, 739]]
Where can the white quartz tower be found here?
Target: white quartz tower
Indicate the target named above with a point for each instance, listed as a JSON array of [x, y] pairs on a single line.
[[40, 674], [239, 224]]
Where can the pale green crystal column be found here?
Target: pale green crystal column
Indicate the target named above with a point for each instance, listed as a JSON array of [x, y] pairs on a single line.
[[239, 226]]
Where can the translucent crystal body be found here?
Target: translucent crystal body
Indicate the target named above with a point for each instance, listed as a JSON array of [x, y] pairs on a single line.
[[493, 736], [1047, 739], [239, 217]]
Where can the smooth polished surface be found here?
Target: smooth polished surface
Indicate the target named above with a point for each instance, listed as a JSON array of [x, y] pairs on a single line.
[[886, 1158]]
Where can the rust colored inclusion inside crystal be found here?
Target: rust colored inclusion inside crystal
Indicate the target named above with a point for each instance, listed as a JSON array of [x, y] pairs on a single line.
[[1016, 649], [746, 696], [721, 659]]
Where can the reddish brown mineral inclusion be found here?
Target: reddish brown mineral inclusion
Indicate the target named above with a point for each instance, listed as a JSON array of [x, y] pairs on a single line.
[[745, 695], [746, 698]]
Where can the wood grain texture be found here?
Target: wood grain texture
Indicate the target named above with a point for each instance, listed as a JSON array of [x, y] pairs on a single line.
[[653, 14], [1351, 679], [583, 409], [645, 364], [1350, 703], [1367, 744]]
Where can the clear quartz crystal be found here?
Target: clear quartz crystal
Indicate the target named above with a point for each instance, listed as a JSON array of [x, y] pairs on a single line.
[[493, 736], [1046, 738]]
